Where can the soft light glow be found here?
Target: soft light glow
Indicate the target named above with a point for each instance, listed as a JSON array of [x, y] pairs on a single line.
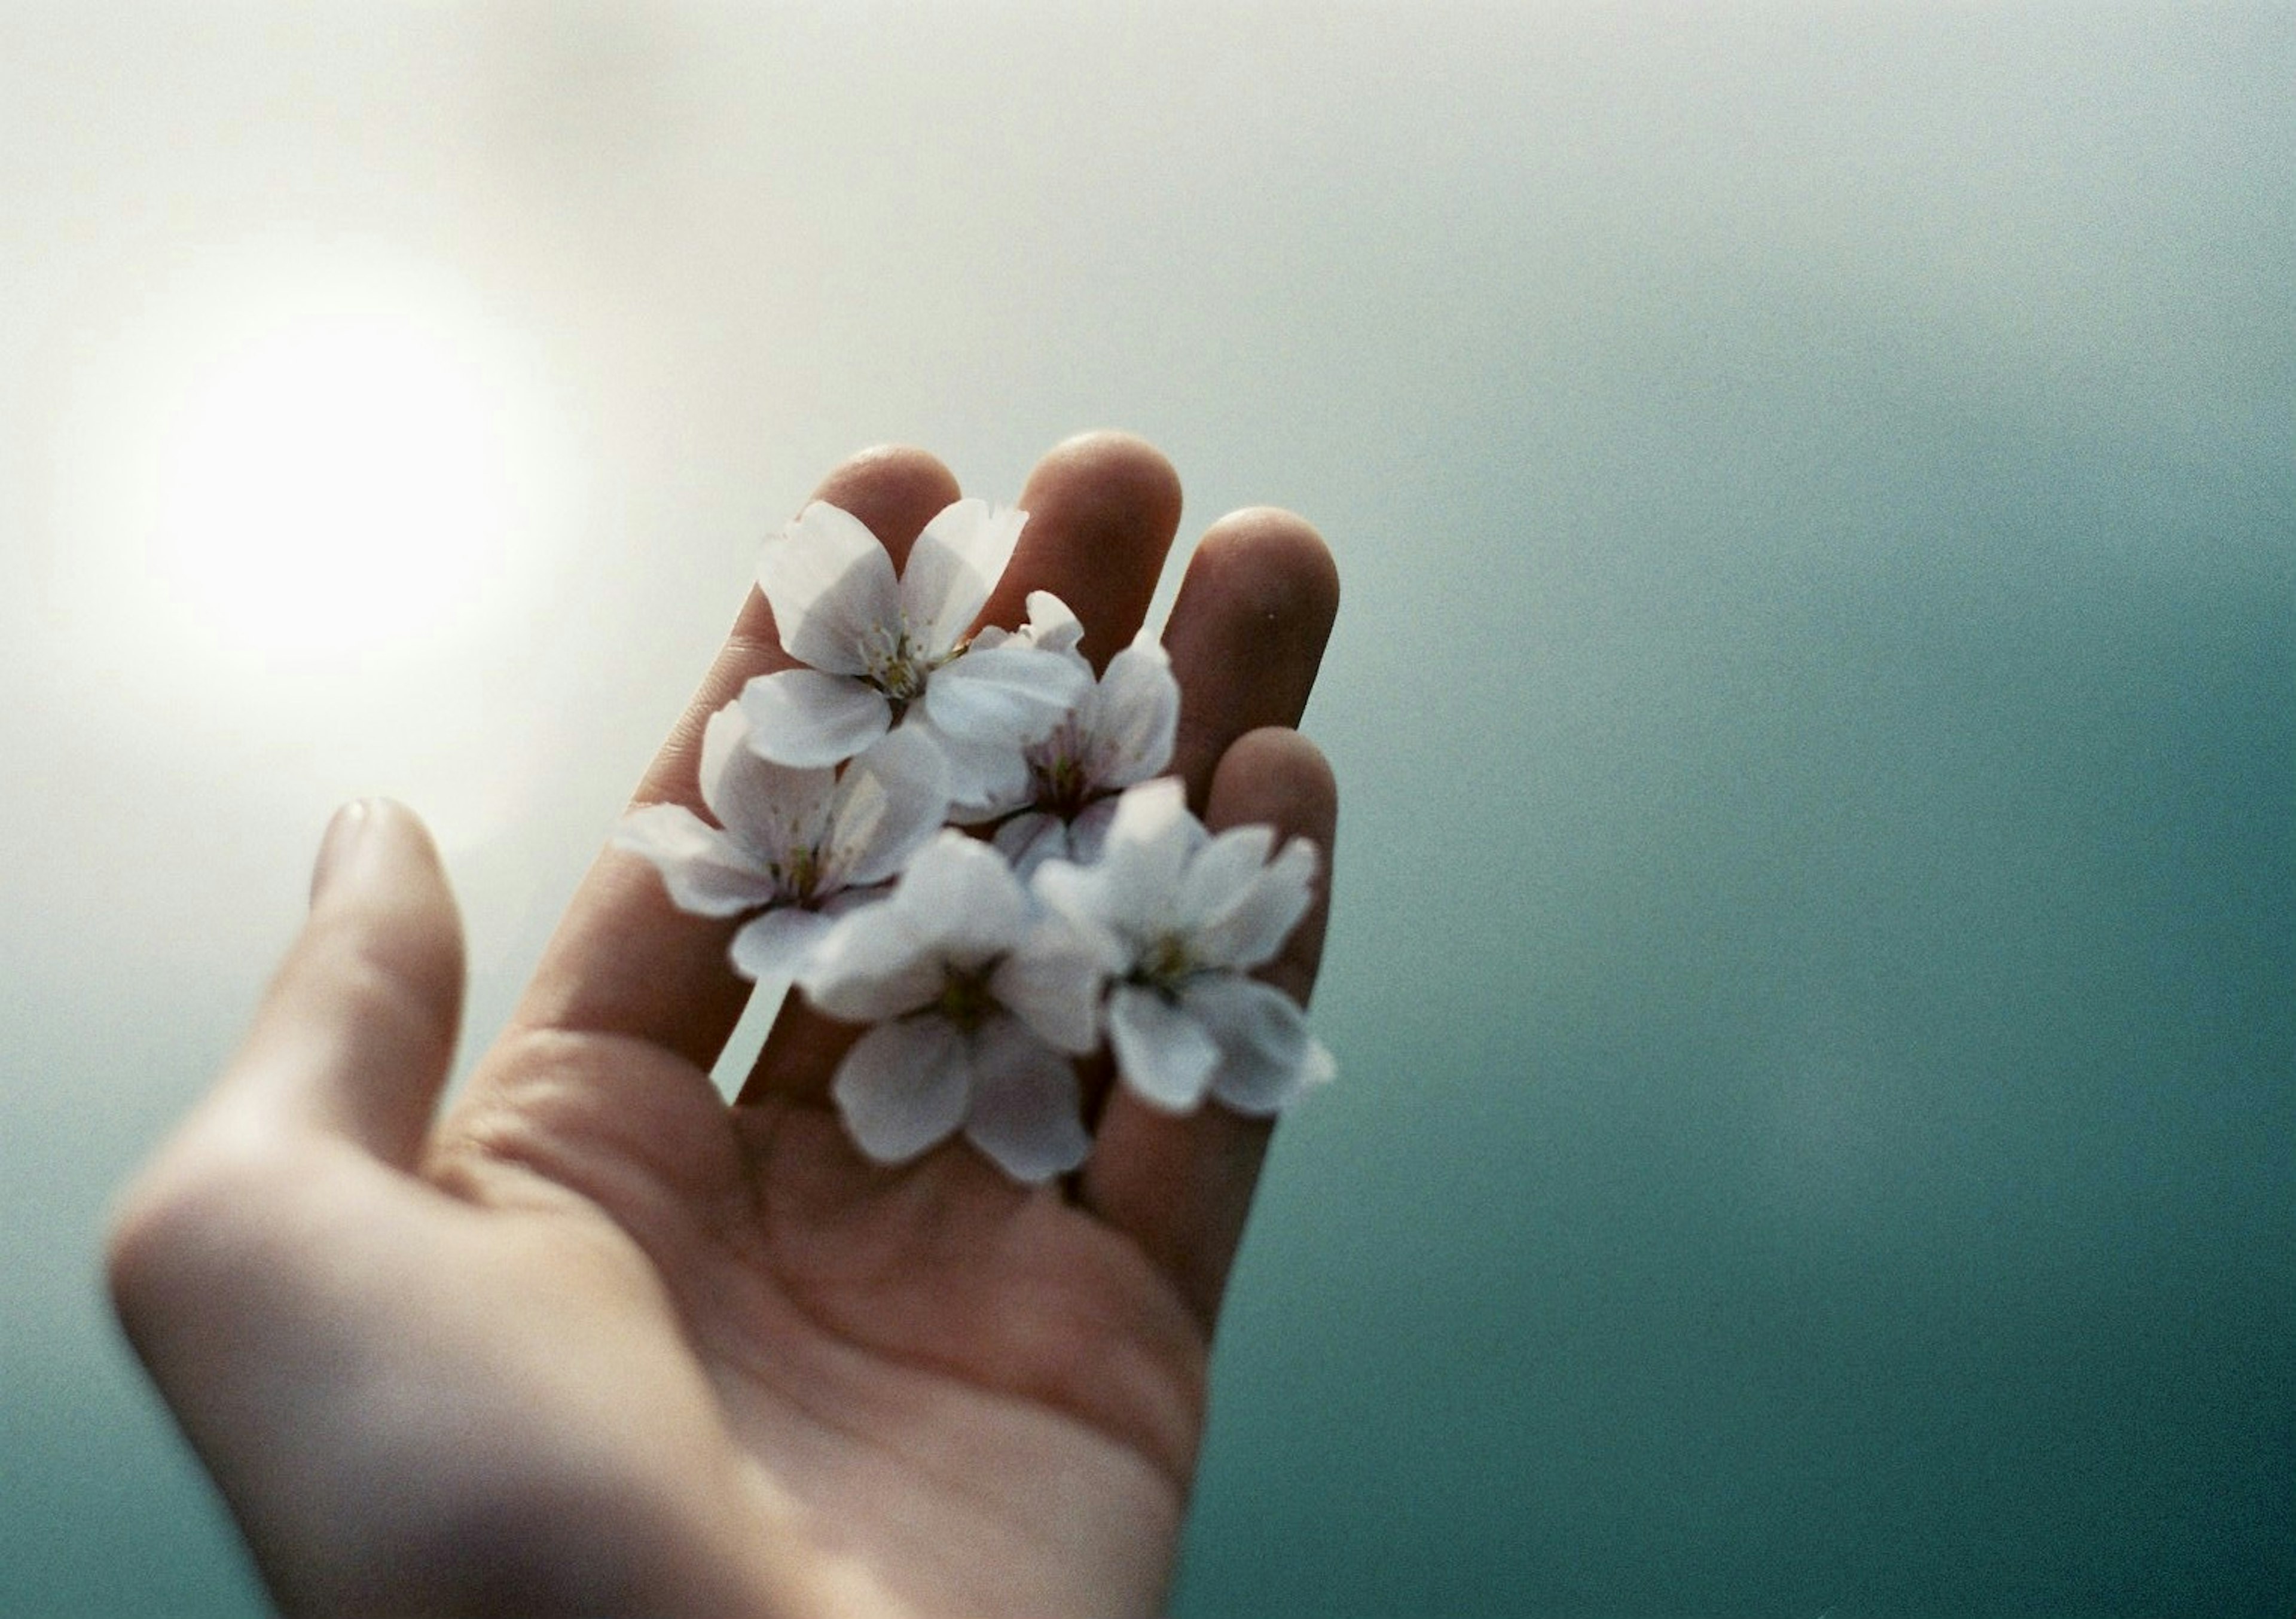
[[338, 484], [312, 499]]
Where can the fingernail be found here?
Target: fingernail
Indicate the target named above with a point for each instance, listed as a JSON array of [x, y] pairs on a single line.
[[342, 839]]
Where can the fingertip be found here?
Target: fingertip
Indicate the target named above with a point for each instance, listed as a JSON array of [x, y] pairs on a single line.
[[1275, 566], [895, 489], [1278, 776], [1114, 471], [381, 869]]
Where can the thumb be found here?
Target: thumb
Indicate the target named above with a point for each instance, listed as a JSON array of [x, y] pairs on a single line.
[[357, 1033]]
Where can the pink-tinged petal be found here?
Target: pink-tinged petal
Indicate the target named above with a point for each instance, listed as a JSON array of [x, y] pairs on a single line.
[[1026, 1111], [903, 1088], [1266, 1055], [706, 872], [1137, 717], [1029, 840], [959, 894], [1161, 1052], [807, 719], [871, 965], [776, 946], [888, 803], [1053, 981], [1008, 695], [830, 584], [1246, 930], [769, 808], [955, 564]]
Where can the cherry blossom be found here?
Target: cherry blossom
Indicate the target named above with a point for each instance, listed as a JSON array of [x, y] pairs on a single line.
[[1118, 731], [978, 999], [880, 650], [796, 847], [1188, 915]]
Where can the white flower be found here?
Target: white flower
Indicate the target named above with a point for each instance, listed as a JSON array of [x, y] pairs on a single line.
[[797, 847], [882, 651], [1118, 731], [976, 996], [1192, 914]]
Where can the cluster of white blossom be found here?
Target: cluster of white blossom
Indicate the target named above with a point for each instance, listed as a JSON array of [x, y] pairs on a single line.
[[1098, 908]]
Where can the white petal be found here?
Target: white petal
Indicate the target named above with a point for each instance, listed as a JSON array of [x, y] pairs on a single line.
[[1132, 886], [1026, 1111], [803, 717], [829, 583], [1137, 717], [887, 803], [959, 894], [1088, 832], [1029, 840], [1220, 871], [1051, 983], [1052, 627], [777, 945], [903, 1087], [986, 780], [771, 808], [872, 965], [1009, 695], [1163, 1053], [955, 564], [1245, 930], [705, 872], [1268, 1056]]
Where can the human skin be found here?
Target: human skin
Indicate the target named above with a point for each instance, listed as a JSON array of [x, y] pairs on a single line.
[[595, 1341]]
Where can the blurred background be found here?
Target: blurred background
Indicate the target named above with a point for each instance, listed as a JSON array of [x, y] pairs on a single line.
[[1817, 492]]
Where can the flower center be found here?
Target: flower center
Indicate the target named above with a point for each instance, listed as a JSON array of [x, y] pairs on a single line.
[[964, 998], [899, 667], [1164, 963], [1062, 785], [797, 874]]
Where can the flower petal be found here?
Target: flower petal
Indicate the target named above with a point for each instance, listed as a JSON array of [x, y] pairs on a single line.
[[872, 965], [1248, 925], [1088, 832], [1266, 1055], [1051, 983], [777, 945], [1052, 626], [768, 808], [984, 779], [1163, 1053], [1131, 887], [903, 1087], [959, 894], [889, 800], [829, 583], [805, 718], [955, 564], [1026, 1111], [705, 871], [1009, 695], [1029, 840], [1137, 717]]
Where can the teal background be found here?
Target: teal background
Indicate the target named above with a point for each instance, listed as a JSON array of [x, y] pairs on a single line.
[[1815, 488]]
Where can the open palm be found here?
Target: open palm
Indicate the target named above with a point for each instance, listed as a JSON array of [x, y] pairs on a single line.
[[597, 1341]]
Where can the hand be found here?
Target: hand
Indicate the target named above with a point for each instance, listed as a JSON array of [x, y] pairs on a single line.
[[597, 1342]]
